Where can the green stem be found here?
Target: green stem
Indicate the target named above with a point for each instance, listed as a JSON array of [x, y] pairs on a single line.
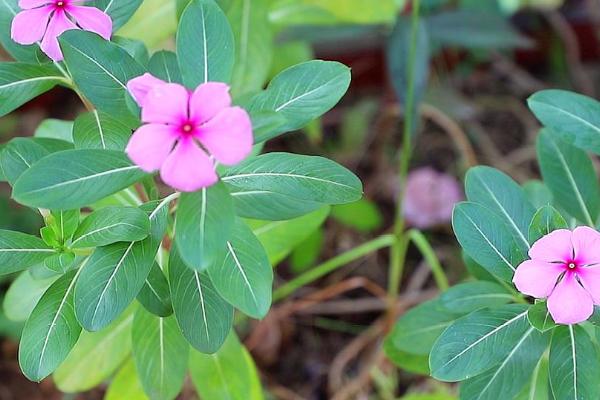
[[398, 252], [332, 264], [434, 263]]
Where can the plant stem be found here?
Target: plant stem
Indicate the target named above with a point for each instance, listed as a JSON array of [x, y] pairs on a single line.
[[398, 251], [424, 247], [331, 265]]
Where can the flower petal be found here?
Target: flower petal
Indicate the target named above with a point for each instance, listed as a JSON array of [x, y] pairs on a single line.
[[29, 4], [228, 136], [590, 279], [29, 26], [92, 19], [537, 278], [208, 100], [166, 104], [188, 168], [586, 244], [59, 23], [555, 246], [140, 86], [150, 146], [570, 303]]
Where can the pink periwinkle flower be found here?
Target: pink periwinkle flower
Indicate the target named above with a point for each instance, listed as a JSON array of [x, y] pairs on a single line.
[[430, 197], [186, 133], [565, 269], [46, 20]]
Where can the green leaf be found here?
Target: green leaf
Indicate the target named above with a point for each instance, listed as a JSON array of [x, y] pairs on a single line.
[[417, 330], [110, 225], [486, 239], [302, 93], [414, 363], [573, 117], [569, 174], [537, 388], [243, 275], [471, 296], [500, 194], [204, 317], [545, 220], [309, 178], [60, 262], [279, 238], [151, 14], [104, 350], [539, 317], [23, 294], [75, 178], [160, 354], [126, 384], [19, 251], [119, 10], [477, 342], [307, 253], [51, 331], [204, 222], [510, 376], [574, 361], [254, 44], [362, 215], [20, 82], [99, 130], [205, 44], [163, 64], [538, 194], [155, 295], [269, 205], [135, 48], [65, 223], [55, 129], [101, 71], [18, 156], [230, 373]]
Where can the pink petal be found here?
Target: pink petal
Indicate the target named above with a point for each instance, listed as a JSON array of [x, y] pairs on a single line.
[[59, 23], [590, 279], [188, 168], [29, 26], [208, 100], [92, 19], [586, 244], [569, 303], [28, 4], [166, 104], [140, 86], [555, 246], [537, 278], [228, 136], [150, 146]]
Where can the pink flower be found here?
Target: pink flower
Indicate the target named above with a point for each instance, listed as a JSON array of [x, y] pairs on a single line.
[[46, 20], [565, 268], [186, 131], [430, 197]]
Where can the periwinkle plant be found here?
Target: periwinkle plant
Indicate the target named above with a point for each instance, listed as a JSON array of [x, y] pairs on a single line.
[[114, 244]]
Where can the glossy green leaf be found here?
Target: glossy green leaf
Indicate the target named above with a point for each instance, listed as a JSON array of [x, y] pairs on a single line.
[[119, 10], [101, 71], [471, 296], [204, 222], [18, 156], [537, 387], [362, 215], [55, 129], [485, 238], [163, 64], [477, 342], [99, 130], [569, 174], [205, 44], [51, 331], [95, 356], [302, 93], [415, 363], [19, 251], [110, 225], [205, 318], [307, 253], [574, 361], [573, 117], [126, 384], [23, 294], [155, 295], [545, 220], [243, 275], [539, 317], [512, 374], [64, 223], [160, 353], [75, 178], [60, 262], [135, 48], [269, 205], [500, 194], [538, 194]]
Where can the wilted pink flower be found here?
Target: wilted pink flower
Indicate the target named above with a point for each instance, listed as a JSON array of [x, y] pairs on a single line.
[[565, 268], [430, 197], [46, 20], [186, 131]]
